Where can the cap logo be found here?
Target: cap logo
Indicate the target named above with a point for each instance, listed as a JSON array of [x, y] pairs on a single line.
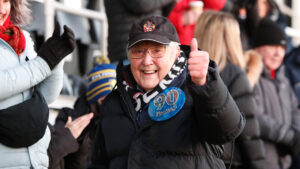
[[149, 27]]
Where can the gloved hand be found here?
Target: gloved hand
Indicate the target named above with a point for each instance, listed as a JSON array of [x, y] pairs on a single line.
[[58, 46]]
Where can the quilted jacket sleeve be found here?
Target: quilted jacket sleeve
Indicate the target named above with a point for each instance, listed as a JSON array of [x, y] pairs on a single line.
[[219, 119]]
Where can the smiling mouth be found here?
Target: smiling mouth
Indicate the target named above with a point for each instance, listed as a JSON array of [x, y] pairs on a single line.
[[149, 71]]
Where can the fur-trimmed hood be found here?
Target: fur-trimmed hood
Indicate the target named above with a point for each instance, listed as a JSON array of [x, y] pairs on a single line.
[[254, 66]]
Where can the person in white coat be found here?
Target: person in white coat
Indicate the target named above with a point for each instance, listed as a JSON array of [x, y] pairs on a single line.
[[28, 79]]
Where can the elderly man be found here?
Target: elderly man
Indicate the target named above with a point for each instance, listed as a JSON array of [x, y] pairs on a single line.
[[168, 111], [277, 104]]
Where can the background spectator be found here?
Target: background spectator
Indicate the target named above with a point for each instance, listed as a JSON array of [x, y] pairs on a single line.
[[250, 12], [28, 82], [184, 18], [278, 111], [218, 34], [74, 129]]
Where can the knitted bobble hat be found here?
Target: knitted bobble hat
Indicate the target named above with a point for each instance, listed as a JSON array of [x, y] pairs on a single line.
[[101, 79]]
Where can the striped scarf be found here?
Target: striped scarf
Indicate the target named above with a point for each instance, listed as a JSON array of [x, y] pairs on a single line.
[[173, 78]]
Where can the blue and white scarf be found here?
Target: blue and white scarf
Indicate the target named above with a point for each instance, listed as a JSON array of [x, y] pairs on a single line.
[[175, 77]]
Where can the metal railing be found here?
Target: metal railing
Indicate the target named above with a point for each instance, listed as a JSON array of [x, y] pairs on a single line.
[[51, 6], [294, 13]]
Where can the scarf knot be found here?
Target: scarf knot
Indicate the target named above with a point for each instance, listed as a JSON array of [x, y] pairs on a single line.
[[13, 35]]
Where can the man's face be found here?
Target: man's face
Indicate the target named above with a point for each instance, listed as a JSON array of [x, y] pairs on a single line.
[[149, 70], [272, 55]]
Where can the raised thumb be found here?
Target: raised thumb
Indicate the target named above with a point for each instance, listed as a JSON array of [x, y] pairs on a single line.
[[194, 45]]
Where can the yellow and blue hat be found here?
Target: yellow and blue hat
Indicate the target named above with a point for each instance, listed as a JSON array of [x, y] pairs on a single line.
[[101, 79]]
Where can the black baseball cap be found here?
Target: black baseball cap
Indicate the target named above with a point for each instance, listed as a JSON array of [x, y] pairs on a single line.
[[153, 28]]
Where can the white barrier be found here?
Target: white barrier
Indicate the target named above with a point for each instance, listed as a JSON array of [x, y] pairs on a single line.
[[51, 6], [294, 13]]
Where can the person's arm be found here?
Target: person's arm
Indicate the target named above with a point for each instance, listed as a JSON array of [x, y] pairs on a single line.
[[53, 51], [218, 116], [295, 122], [51, 85], [62, 143], [273, 130], [295, 111], [20, 78], [145, 6], [249, 142], [27, 75], [63, 138]]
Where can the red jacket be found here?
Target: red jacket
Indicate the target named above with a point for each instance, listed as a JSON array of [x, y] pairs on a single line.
[[186, 32], [214, 5]]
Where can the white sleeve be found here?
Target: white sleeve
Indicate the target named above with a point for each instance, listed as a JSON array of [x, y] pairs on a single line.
[[35, 71], [52, 85], [22, 77]]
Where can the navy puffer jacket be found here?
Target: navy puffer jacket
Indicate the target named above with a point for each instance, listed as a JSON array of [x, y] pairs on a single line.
[[192, 139]]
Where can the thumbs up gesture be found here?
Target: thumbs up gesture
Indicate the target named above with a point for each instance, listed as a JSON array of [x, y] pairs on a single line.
[[198, 64]]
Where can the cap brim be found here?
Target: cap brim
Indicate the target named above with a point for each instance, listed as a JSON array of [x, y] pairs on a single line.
[[148, 37]]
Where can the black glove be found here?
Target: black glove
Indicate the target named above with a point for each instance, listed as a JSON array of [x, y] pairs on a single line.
[[58, 46]]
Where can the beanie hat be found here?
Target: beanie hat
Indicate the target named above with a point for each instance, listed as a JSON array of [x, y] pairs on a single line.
[[154, 28], [269, 33], [101, 79]]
